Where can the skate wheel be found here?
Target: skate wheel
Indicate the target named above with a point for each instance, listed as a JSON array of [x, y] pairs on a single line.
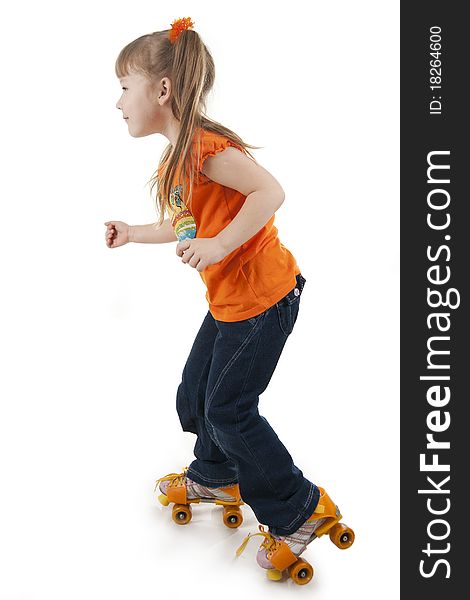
[[301, 572], [163, 499], [342, 536], [232, 517], [182, 514], [274, 574]]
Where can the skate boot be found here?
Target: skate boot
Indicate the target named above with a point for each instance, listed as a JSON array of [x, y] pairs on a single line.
[[282, 553], [178, 488]]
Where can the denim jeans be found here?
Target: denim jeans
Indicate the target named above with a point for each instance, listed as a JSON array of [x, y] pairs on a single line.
[[229, 366]]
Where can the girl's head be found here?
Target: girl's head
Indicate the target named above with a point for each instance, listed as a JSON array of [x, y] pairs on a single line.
[[166, 77], [165, 83]]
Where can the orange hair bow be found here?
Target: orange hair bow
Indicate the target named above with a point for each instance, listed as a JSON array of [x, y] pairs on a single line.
[[178, 26]]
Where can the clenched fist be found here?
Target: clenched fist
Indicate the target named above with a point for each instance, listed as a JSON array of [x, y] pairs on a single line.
[[117, 233], [201, 252]]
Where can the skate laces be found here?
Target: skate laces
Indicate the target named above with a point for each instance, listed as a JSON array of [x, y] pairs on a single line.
[[175, 478], [270, 543]]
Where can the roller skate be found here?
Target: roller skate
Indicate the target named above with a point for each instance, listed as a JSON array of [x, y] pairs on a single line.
[[282, 553], [178, 488]]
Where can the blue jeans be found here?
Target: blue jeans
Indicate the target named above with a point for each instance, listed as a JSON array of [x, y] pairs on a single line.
[[229, 366]]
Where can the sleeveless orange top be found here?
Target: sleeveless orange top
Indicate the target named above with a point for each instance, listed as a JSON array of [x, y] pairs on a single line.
[[253, 277]]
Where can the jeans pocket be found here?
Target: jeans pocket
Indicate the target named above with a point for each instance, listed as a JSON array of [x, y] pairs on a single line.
[[287, 316], [288, 307]]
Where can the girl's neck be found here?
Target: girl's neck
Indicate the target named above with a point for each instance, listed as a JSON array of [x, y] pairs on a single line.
[[171, 130]]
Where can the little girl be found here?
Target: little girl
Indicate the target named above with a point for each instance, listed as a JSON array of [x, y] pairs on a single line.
[[220, 204]]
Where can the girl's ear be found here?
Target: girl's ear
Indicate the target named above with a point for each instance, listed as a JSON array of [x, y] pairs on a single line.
[[164, 90]]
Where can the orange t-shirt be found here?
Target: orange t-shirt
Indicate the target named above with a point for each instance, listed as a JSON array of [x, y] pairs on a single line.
[[253, 277]]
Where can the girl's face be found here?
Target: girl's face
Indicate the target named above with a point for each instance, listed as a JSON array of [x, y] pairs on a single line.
[[140, 106]]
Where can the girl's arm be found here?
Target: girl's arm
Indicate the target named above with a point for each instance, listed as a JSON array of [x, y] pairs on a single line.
[[151, 234], [264, 195]]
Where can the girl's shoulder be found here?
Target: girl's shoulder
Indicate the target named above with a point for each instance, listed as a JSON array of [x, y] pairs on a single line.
[[204, 143], [208, 143]]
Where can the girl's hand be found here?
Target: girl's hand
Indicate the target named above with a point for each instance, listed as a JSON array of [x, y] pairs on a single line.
[[117, 233], [201, 252]]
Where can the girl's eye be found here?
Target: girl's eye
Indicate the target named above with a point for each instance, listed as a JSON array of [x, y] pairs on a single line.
[[124, 88]]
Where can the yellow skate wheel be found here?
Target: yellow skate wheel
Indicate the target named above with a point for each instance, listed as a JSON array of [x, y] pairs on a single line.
[[232, 516], [274, 574], [301, 572], [341, 536], [163, 499], [182, 514]]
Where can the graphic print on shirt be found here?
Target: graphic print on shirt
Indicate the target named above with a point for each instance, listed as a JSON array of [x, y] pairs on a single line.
[[182, 220]]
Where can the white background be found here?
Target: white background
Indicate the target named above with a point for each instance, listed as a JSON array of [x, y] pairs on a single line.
[[91, 353]]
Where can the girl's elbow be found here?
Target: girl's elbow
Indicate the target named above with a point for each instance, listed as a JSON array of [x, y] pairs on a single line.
[[277, 193]]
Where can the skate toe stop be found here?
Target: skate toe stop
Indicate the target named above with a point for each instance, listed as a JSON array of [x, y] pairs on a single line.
[[274, 574], [163, 499]]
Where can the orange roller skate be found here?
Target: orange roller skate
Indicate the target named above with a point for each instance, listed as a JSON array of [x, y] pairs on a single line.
[[282, 553], [178, 488]]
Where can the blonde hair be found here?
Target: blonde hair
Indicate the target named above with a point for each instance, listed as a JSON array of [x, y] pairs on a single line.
[[189, 65]]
